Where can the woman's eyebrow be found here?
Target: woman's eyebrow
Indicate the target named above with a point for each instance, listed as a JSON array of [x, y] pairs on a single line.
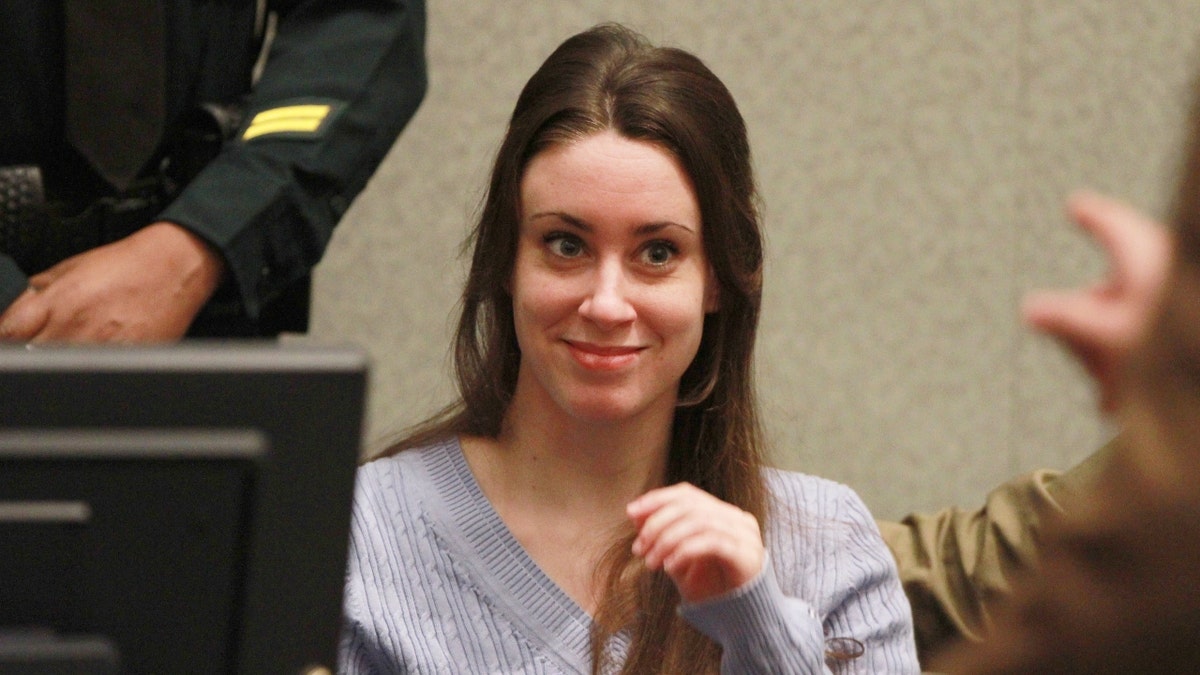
[[566, 218], [581, 224], [659, 226]]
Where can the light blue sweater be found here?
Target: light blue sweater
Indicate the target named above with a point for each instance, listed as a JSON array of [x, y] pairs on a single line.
[[437, 584]]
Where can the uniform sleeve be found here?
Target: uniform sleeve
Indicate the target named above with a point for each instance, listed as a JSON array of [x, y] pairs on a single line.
[[955, 563], [340, 82], [12, 282], [866, 627]]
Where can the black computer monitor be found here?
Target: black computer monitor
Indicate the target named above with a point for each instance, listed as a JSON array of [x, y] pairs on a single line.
[[179, 509]]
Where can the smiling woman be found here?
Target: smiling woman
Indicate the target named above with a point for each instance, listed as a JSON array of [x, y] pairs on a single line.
[[597, 499], [611, 283]]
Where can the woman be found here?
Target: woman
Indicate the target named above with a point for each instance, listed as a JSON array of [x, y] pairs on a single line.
[[597, 500]]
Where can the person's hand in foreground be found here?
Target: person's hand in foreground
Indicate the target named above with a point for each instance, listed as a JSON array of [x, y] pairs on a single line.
[[1101, 323]]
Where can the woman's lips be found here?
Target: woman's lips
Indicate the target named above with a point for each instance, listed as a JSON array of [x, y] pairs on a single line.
[[603, 357]]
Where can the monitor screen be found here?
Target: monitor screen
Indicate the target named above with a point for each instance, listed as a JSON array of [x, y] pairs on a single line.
[[179, 509]]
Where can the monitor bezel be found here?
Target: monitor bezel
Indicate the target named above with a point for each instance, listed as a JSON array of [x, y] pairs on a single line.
[[306, 401]]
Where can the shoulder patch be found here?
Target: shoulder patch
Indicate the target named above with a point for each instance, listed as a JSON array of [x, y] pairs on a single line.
[[298, 119]]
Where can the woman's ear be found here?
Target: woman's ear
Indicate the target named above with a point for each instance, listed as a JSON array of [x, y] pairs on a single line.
[[1101, 323]]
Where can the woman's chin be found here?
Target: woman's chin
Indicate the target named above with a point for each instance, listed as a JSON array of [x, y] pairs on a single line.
[[612, 409], [601, 412]]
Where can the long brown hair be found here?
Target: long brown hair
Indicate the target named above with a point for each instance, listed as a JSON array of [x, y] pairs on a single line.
[[609, 77]]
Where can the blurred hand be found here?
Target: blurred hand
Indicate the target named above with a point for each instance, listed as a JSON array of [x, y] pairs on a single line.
[[146, 287], [706, 546], [1101, 323]]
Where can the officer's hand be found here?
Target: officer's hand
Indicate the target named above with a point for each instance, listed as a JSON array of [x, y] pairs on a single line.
[[708, 547], [146, 287], [1103, 322]]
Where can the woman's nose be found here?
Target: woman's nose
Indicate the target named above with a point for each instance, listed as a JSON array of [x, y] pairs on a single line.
[[607, 302]]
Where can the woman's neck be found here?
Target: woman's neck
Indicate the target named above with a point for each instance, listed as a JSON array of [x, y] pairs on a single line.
[[544, 454], [561, 486]]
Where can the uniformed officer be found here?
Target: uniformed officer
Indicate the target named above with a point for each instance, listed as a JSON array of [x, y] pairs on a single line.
[[162, 175]]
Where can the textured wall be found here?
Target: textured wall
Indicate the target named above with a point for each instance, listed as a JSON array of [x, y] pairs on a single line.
[[913, 158]]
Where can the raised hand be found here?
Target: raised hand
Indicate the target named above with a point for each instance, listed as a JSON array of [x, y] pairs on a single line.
[[1102, 322]]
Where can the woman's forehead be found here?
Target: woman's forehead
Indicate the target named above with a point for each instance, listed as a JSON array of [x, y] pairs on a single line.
[[606, 174]]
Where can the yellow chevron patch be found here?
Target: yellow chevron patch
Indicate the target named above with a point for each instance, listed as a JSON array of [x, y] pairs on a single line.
[[294, 119]]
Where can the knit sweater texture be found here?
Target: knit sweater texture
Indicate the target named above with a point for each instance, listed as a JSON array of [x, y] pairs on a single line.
[[436, 583]]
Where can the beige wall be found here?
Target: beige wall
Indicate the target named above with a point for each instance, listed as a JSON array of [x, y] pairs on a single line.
[[912, 156]]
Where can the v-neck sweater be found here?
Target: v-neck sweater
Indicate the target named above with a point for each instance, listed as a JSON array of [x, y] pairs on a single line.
[[436, 583]]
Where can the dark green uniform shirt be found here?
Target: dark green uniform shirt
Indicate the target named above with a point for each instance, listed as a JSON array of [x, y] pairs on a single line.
[[340, 81]]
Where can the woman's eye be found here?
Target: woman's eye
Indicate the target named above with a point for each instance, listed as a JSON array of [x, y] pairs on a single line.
[[658, 253], [564, 245]]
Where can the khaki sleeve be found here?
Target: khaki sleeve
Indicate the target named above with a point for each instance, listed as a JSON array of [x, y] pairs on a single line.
[[955, 563]]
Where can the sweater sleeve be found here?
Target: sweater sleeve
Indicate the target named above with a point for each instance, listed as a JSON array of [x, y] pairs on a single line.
[[341, 80], [853, 617], [867, 605], [760, 630]]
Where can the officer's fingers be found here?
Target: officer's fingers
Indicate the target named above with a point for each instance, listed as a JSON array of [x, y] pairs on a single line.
[[1072, 314], [41, 280], [25, 317], [1114, 224], [1096, 331], [1137, 246]]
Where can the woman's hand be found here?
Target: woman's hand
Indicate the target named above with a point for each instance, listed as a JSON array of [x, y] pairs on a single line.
[[706, 546]]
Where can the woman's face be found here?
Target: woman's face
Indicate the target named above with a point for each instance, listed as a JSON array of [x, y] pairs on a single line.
[[611, 282]]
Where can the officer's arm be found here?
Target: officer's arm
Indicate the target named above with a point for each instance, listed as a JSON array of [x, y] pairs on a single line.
[[12, 281], [954, 564], [146, 287], [341, 80]]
